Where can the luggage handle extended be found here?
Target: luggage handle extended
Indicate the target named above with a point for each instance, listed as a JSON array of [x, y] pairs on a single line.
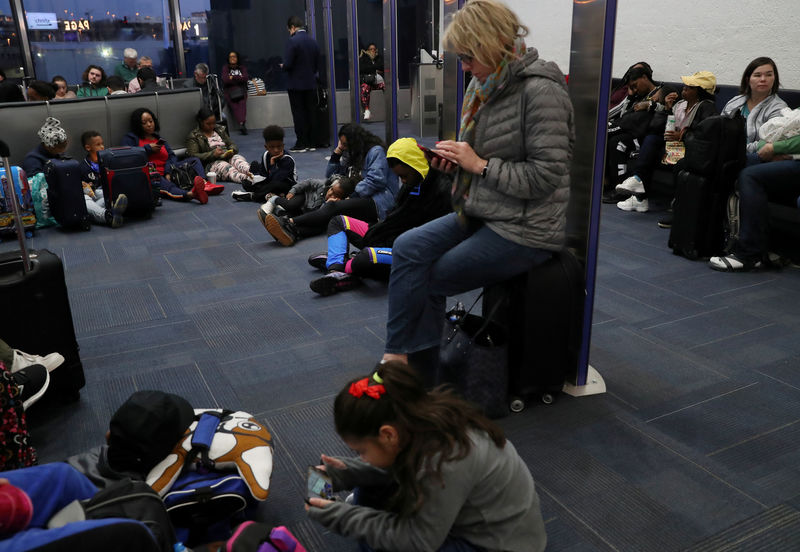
[[11, 193]]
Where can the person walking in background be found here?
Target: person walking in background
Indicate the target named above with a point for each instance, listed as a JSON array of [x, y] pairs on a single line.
[[234, 86], [370, 67], [301, 62], [127, 69]]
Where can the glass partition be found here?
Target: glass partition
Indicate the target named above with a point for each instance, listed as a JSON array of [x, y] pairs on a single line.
[[257, 30], [67, 36], [11, 61]]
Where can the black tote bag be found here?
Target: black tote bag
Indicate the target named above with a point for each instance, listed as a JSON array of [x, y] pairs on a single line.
[[473, 356]]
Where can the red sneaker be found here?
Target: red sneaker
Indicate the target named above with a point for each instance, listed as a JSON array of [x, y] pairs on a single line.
[[199, 190], [214, 189]]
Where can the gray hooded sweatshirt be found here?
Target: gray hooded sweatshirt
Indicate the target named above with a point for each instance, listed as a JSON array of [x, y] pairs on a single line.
[[526, 131], [487, 498]]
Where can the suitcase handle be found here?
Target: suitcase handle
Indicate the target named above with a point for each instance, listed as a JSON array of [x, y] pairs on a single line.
[[11, 193]]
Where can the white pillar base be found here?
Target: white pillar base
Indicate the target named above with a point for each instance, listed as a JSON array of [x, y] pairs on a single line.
[[594, 385]]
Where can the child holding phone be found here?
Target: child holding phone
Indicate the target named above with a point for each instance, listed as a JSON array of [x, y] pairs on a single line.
[[432, 474]]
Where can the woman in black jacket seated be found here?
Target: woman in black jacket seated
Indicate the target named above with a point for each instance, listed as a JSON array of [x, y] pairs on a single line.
[[370, 67], [144, 133]]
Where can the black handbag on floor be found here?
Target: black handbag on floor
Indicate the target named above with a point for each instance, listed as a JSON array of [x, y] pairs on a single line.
[[473, 356]]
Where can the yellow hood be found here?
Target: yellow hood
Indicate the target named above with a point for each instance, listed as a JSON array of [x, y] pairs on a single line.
[[407, 151]]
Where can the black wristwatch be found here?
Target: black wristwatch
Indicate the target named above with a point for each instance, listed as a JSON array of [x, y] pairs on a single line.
[[485, 170]]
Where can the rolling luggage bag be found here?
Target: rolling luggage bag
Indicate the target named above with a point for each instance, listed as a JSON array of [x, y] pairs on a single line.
[[698, 227], [542, 311], [126, 171], [39, 321], [66, 195], [25, 202]]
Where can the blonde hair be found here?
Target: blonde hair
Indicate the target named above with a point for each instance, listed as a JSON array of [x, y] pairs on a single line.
[[485, 30]]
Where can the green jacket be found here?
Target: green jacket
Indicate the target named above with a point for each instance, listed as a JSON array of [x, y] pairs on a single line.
[[125, 72], [197, 145], [90, 91]]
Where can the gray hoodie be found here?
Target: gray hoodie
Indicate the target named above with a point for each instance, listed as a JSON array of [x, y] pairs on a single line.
[[487, 498], [526, 131], [770, 107]]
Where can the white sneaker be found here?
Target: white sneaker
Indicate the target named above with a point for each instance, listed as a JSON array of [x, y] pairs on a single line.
[[367, 114], [23, 360], [632, 185], [269, 206], [634, 204]]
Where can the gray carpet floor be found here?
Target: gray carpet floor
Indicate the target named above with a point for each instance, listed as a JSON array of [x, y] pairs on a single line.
[[693, 447]]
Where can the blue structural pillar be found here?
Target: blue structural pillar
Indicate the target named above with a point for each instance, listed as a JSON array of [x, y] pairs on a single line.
[[390, 68], [453, 81], [327, 24], [592, 49], [353, 51]]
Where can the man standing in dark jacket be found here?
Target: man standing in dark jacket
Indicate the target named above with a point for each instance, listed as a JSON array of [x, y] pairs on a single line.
[[301, 62]]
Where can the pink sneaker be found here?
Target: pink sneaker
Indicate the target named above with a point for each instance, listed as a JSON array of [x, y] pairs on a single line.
[[199, 190]]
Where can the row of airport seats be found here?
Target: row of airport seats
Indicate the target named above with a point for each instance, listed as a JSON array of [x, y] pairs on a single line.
[[108, 115], [784, 220]]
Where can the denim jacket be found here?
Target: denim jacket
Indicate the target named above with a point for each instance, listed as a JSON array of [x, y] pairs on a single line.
[[377, 180]]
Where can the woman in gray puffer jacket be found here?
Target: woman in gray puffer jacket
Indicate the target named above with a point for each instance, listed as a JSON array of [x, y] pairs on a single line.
[[511, 180]]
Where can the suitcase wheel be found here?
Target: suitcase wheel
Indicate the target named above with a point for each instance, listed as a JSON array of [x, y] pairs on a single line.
[[548, 398], [516, 405]]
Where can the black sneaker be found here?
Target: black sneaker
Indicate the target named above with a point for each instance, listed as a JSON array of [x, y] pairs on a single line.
[[665, 222], [279, 228], [297, 148], [32, 382], [334, 282], [242, 196], [319, 261]]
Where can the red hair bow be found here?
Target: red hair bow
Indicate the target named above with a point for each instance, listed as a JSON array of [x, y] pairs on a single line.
[[362, 386]]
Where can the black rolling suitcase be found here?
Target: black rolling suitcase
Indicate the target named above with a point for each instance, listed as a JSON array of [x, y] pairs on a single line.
[[39, 317], [126, 171], [65, 194], [542, 311], [698, 226]]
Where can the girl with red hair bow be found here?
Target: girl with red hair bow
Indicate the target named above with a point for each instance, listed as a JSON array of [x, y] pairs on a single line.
[[433, 473]]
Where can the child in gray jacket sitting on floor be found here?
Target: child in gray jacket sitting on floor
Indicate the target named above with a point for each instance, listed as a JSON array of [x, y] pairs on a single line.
[[309, 195], [432, 474]]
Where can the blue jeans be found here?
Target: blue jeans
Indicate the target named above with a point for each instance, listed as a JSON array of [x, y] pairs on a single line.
[[776, 181], [440, 259]]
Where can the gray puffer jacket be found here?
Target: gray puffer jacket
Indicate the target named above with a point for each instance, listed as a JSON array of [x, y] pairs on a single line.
[[526, 131]]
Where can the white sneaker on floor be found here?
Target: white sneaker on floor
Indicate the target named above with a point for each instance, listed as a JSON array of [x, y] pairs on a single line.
[[634, 204], [367, 114], [632, 185], [23, 360]]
